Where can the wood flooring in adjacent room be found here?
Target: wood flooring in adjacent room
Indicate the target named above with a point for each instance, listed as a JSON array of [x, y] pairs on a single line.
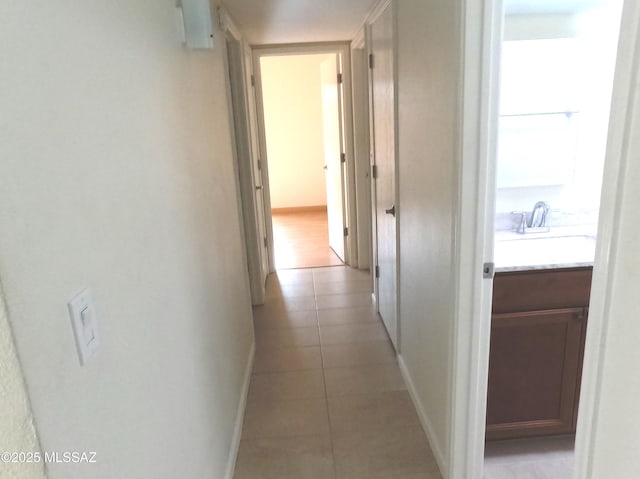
[[301, 240], [327, 399]]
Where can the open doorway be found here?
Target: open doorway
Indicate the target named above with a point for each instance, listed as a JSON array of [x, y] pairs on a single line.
[[246, 151], [557, 68], [302, 97]]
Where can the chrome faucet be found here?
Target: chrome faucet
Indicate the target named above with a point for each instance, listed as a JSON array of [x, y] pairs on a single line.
[[539, 215], [536, 221]]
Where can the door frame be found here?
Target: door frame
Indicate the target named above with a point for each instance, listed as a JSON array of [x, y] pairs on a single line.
[[619, 152], [482, 26], [350, 216], [365, 36], [373, 16], [235, 45], [477, 145], [254, 139], [362, 147]]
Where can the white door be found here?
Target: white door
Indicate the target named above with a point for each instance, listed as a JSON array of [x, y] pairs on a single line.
[[383, 105], [256, 166], [333, 153]]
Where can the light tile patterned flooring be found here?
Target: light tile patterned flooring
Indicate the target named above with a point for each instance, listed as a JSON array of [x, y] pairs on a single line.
[[326, 398], [301, 240], [536, 458]]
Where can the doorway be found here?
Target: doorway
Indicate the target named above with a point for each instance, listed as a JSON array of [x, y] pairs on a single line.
[[304, 103], [557, 72], [247, 164]]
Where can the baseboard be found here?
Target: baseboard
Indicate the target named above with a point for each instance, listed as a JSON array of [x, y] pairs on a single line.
[[424, 419], [237, 431], [299, 209]]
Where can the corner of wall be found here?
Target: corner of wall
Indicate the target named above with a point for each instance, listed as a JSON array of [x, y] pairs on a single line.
[[237, 431], [18, 432], [425, 421]]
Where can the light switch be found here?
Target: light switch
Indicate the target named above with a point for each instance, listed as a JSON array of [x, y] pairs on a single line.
[[87, 324], [83, 321]]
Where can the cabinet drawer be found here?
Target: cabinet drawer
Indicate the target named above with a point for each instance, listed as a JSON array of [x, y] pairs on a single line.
[[541, 290]]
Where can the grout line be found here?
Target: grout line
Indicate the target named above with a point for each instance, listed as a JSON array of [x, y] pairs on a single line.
[[375, 365], [326, 395], [282, 371], [294, 436]]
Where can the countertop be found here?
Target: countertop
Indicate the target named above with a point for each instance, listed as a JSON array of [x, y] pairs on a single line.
[[562, 247]]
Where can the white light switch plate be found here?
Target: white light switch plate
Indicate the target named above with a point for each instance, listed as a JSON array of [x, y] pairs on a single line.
[[85, 328]]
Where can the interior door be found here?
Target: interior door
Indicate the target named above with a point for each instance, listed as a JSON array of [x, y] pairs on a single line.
[[256, 166], [383, 115], [333, 153]]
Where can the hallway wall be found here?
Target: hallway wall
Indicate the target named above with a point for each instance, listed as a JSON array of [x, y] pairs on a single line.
[[116, 173], [17, 432], [617, 425], [611, 385], [428, 90]]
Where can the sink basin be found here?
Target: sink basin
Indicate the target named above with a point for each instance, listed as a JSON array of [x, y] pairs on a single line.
[[538, 251]]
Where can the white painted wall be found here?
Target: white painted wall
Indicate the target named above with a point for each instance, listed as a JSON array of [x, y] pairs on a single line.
[[608, 434], [540, 26], [292, 99], [116, 173], [595, 33], [617, 423], [17, 433], [428, 91]]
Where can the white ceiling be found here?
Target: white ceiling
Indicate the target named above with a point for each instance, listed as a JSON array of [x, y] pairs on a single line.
[[301, 21], [298, 21], [527, 7]]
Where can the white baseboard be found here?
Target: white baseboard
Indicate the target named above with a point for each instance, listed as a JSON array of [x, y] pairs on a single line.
[[424, 419], [237, 431]]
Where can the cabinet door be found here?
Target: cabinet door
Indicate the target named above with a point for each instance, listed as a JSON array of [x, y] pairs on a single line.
[[534, 372]]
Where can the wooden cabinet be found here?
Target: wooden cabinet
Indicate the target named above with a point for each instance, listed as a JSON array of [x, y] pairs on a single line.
[[537, 343]]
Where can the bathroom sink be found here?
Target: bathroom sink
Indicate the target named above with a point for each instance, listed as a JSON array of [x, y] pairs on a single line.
[[537, 251]]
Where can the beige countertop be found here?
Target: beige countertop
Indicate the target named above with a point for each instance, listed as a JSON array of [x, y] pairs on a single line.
[[562, 247]]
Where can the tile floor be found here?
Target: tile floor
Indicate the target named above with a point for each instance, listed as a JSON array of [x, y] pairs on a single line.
[[326, 398], [538, 458]]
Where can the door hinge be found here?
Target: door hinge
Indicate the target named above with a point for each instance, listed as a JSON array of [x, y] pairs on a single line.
[[259, 164], [371, 60], [377, 271], [488, 270], [266, 243], [374, 171], [339, 78], [346, 231], [343, 158]]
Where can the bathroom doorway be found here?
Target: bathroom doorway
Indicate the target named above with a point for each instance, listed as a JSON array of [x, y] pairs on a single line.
[[557, 68]]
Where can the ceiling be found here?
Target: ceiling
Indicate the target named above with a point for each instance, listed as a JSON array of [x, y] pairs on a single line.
[[299, 21], [528, 7]]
